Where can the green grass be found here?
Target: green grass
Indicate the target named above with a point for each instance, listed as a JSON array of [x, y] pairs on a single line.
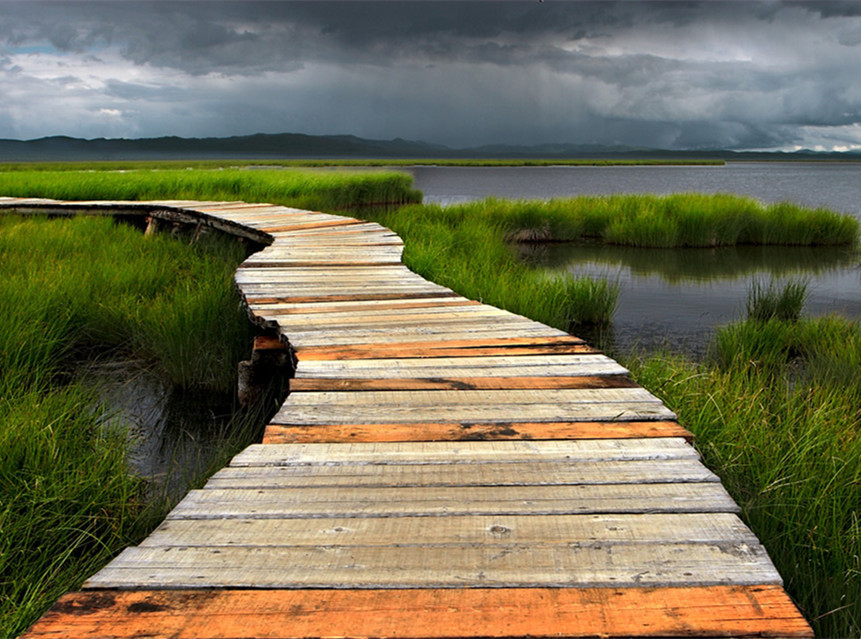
[[768, 302], [308, 189], [776, 412], [471, 254], [660, 221], [72, 291]]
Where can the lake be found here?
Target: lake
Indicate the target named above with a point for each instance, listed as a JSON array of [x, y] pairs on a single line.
[[675, 298]]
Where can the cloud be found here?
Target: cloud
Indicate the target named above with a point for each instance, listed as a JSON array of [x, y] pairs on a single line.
[[668, 74]]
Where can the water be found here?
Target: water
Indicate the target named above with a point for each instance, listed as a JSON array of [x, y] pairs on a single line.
[[675, 298]]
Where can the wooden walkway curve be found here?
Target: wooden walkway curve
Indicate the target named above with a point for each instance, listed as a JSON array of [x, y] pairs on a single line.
[[440, 468]]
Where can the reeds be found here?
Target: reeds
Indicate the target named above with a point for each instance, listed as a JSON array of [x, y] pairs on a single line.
[[768, 302], [77, 289], [776, 411], [667, 221], [306, 189]]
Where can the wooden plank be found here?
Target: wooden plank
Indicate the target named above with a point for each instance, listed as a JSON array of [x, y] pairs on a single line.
[[417, 335], [473, 453], [542, 473], [358, 297], [216, 523], [484, 347], [465, 377], [715, 611], [466, 566], [405, 324], [475, 413], [326, 307], [310, 225], [352, 502], [437, 432], [603, 380], [494, 398], [510, 364]]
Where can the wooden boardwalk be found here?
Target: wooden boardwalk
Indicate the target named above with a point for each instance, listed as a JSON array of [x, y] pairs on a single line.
[[441, 468]]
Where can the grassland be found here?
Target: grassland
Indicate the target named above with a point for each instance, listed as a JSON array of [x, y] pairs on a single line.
[[322, 189], [74, 291]]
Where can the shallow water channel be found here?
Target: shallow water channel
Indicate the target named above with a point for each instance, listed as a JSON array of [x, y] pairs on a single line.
[[675, 298]]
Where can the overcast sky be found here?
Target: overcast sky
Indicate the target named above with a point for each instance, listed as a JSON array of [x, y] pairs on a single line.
[[741, 75]]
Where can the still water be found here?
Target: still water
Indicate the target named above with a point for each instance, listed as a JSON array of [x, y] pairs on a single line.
[[676, 298]]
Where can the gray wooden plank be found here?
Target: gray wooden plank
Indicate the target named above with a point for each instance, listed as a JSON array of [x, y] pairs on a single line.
[[435, 501], [384, 453], [471, 565], [438, 399], [474, 413], [540, 473], [455, 530]]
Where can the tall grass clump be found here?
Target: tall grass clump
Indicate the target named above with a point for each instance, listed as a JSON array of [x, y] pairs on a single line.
[[72, 292], [306, 189], [678, 220], [470, 253], [770, 302], [776, 411]]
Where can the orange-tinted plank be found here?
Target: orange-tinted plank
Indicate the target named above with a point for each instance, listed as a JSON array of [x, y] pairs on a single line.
[[718, 611], [449, 348], [311, 225], [461, 383], [434, 432]]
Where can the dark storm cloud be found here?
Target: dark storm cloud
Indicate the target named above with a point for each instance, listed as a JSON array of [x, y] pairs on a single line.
[[678, 74]]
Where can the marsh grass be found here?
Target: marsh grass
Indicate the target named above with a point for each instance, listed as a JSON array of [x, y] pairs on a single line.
[[667, 221], [776, 411], [307, 189], [71, 291], [767, 302], [471, 254]]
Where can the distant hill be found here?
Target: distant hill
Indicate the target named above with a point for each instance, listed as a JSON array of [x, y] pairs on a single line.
[[299, 146]]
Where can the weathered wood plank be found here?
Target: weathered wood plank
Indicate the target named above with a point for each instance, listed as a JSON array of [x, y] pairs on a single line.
[[464, 452], [603, 377], [542, 473], [352, 502], [716, 611], [464, 397], [466, 566], [437, 432], [215, 523], [475, 413], [310, 308], [448, 348], [416, 335], [254, 300]]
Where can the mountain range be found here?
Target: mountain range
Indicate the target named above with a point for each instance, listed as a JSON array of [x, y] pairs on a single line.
[[264, 146]]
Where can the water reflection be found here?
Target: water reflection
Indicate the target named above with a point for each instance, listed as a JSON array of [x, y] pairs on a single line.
[[674, 298], [173, 435]]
